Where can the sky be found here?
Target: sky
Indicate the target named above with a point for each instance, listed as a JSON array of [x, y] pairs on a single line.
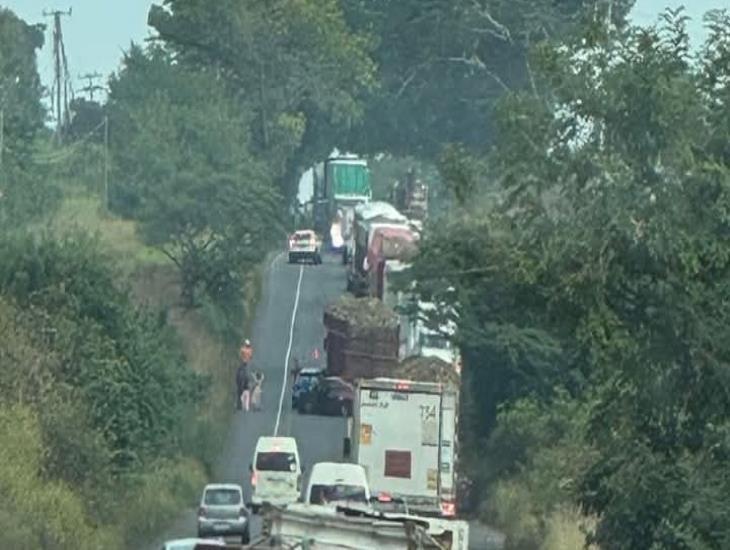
[[98, 31], [95, 35]]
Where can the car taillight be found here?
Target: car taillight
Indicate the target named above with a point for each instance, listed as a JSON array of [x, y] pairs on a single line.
[[201, 512], [253, 479], [448, 508]]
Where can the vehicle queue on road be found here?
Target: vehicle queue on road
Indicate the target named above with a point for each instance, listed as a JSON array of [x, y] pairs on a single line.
[[372, 235]]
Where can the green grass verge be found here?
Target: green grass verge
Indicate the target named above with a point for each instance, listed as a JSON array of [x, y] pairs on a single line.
[[119, 237]]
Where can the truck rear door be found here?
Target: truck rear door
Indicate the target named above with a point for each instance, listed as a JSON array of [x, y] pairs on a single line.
[[399, 441]]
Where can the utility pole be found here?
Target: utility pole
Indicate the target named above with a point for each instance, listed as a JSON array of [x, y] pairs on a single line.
[[61, 80], [90, 88]]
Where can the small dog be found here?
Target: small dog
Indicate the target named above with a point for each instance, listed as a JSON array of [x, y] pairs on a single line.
[[256, 393]]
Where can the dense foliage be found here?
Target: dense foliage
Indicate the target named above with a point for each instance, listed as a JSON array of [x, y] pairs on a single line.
[[584, 249], [184, 170], [301, 71], [594, 265], [24, 190], [102, 385], [443, 64]]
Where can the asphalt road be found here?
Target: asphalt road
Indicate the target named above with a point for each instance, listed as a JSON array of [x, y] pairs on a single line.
[[288, 324]]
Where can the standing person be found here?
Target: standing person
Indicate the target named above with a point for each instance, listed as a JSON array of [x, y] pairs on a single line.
[[241, 383], [242, 377]]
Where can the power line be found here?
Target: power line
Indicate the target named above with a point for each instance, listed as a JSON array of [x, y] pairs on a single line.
[[91, 87], [62, 80]]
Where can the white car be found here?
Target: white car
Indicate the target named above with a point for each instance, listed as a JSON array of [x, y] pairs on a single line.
[[222, 512], [276, 472], [304, 245], [333, 483], [193, 544]]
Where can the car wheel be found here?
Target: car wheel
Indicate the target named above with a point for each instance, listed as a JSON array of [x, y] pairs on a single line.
[[306, 407], [246, 537], [291, 259]]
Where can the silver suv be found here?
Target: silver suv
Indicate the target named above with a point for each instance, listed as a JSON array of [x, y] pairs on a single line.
[[222, 512]]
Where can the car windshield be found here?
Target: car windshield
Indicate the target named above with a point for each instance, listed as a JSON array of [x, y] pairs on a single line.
[[276, 462], [305, 382], [222, 497], [321, 494], [299, 237]]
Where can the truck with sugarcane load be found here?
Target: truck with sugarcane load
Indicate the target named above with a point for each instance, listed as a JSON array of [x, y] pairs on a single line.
[[361, 338], [410, 196]]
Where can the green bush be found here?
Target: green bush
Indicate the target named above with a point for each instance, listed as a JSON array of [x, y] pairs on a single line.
[[36, 512], [157, 495]]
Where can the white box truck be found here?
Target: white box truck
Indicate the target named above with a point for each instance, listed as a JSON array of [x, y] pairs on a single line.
[[404, 433]]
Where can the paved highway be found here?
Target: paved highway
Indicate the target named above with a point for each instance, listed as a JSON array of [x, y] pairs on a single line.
[[288, 324]]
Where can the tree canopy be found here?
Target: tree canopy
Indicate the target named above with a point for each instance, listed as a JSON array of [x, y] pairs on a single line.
[[443, 64], [591, 255]]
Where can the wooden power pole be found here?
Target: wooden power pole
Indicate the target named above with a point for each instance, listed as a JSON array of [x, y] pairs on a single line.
[[61, 80]]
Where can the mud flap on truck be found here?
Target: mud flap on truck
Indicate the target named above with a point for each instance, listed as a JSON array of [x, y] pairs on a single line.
[[347, 440]]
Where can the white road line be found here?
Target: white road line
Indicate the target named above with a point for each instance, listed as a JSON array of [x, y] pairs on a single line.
[[288, 351]]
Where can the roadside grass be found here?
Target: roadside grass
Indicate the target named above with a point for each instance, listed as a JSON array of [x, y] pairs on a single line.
[[528, 525], [566, 530], [118, 236], [158, 495]]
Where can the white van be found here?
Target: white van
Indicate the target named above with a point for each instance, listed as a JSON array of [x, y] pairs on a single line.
[[333, 482], [276, 472]]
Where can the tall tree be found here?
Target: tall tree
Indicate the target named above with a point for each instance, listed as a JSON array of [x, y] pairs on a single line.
[[599, 262], [444, 63], [24, 192], [184, 169], [295, 62]]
